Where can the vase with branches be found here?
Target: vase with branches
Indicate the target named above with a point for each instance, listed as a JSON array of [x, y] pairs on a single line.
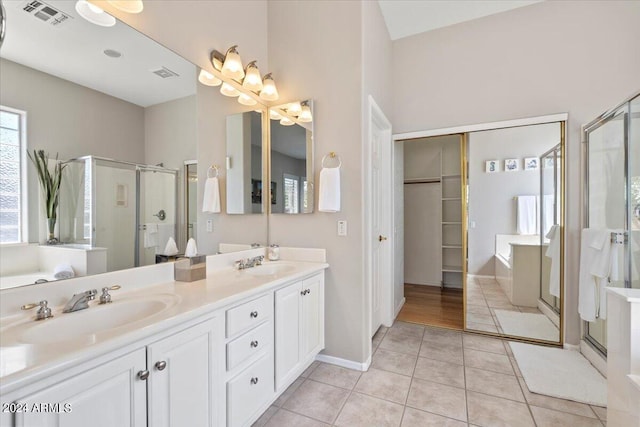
[[50, 182]]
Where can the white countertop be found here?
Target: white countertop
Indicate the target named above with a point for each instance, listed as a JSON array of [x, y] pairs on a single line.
[[629, 294], [22, 363]]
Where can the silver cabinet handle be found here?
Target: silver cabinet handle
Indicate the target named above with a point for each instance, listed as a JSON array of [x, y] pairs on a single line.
[[308, 291], [303, 293], [254, 380], [254, 314], [143, 375], [161, 365], [254, 344]]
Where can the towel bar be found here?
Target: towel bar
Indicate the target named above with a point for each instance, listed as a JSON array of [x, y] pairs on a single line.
[[619, 237], [331, 155], [215, 169]]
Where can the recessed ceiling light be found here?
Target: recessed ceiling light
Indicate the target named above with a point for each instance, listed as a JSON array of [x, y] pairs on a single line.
[[94, 14], [112, 53]]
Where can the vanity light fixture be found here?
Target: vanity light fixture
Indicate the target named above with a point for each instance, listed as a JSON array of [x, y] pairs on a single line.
[[94, 14], [245, 99], [294, 109], [232, 66], [227, 90], [269, 92], [129, 6], [305, 113], [252, 80], [274, 115], [208, 79], [286, 121]]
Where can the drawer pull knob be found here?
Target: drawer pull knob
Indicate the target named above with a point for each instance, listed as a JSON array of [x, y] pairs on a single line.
[[143, 375], [161, 365], [254, 314], [254, 344], [308, 291], [254, 380], [303, 293]]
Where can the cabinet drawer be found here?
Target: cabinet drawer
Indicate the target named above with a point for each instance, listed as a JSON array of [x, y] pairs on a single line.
[[249, 391], [249, 344], [249, 314]]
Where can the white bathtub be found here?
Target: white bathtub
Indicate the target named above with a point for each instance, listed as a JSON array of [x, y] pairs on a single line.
[[517, 267], [24, 279]]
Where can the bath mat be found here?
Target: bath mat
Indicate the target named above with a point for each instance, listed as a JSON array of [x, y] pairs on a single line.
[[560, 373], [531, 325]]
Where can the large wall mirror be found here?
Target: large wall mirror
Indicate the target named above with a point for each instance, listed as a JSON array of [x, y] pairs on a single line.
[[291, 158], [514, 216]]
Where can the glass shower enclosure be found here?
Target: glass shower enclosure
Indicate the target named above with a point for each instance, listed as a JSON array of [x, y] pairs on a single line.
[[129, 209], [612, 196], [550, 215]]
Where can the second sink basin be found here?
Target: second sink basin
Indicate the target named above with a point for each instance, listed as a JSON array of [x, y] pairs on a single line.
[[270, 269], [81, 325]]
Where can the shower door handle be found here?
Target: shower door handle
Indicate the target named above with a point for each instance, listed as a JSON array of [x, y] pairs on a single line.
[[161, 215]]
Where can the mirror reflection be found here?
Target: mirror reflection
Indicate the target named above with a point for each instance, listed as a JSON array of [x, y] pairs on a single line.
[[514, 236], [291, 158], [120, 111], [244, 164], [191, 198]]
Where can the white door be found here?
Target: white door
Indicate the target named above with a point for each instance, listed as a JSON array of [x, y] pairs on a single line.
[[312, 316], [380, 215], [287, 331], [107, 396], [181, 378]]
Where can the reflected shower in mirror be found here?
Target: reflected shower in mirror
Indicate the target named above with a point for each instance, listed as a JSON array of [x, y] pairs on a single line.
[[291, 158], [514, 231], [244, 163], [191, 198]]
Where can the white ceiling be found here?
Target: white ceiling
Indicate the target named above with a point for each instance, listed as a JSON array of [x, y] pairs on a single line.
[[408, 17], [73, 50]]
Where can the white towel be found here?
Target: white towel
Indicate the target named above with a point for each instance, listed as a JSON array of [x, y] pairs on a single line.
[[63, 271], [192, 249], [616, 273], [211, 199], [526, 221], [553, 252], [171, 248], [151, 235], [329, 193], [548, 214], [595, 264]]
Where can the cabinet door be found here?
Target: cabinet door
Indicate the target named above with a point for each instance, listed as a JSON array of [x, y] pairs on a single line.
[[287, 331], [106, 396], [181, 378], [312, 321]]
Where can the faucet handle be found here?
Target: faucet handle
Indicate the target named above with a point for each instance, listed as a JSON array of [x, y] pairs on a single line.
[[105, 298], [44, 312]]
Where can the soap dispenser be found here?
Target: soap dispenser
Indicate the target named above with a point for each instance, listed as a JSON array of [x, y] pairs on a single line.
[[274, 252]]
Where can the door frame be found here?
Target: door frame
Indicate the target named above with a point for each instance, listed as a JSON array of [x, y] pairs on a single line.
[[376, 117]]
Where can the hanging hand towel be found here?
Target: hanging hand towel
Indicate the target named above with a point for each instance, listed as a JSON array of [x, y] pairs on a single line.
[[192, 249], [553, 252], [63, 271], [151, 235], [171, 248], [329, 193], [211, 200], [526, 215], [595, 264]]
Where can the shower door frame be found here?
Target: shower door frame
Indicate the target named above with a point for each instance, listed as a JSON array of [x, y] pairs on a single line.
[[622, 108]]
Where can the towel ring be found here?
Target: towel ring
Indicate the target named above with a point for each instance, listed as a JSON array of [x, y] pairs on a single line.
[[332, 155], [215, 169]]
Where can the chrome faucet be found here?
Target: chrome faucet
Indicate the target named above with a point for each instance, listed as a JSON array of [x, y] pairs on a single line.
[[80, 301], [248, 263]]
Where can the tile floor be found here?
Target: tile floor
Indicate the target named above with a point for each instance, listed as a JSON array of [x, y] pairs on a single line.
[[425, 376], [484, 295]]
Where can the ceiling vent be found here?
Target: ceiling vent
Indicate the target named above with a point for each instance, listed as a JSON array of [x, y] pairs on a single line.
[[165, 73], [44, 12]]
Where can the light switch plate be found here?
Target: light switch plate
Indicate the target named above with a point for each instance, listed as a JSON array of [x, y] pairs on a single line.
[[209, 225], [342, 228]]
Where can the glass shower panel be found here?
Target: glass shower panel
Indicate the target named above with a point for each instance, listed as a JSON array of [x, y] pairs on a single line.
[[550, 177], [75, 202], [634, 191], [157, 213]]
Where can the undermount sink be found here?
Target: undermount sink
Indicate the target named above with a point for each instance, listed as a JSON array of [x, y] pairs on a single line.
[[83, 325], [270, 269]]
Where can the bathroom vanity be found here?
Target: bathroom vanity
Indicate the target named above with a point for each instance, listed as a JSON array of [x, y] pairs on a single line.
[[213, 352]]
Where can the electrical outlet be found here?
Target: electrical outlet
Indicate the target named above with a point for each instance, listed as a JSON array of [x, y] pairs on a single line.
[[209, 225], [342, 228]]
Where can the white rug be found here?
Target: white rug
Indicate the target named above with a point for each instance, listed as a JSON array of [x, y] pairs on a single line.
[[530, 325], [560, 373]]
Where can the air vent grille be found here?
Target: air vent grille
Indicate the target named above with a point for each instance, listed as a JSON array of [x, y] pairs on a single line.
[[165, 73], [44, 12]]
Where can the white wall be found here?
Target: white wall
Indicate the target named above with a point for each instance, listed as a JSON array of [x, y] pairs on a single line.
[[550, 57], [491, 195]]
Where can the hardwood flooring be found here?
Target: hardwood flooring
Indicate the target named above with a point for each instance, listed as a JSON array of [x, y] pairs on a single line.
[[430, 305]]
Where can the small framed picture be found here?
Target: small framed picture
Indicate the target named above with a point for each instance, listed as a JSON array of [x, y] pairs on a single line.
[[531, 163], [492, 166], [511, 165]]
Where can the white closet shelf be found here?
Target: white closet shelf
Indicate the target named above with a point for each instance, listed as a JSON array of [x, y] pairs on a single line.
[[451, 222], [451, 246], [445, 199], [451, 176], [452, 269]]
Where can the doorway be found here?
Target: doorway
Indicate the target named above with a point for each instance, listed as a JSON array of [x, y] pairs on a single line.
[[433, 258]]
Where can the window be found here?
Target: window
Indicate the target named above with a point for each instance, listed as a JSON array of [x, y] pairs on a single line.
[[291, 194], [12, 184]]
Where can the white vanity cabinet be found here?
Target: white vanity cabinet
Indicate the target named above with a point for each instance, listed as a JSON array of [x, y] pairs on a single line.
[[299, 328]]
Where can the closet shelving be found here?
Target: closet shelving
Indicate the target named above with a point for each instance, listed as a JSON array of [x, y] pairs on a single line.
[[451, 216]]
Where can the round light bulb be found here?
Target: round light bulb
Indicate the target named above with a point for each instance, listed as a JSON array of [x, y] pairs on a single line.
[[286, 121], [246, 100], [227, 90], [208, 79], [305, 114], [269, 91], [294, 109], [129, 6], [94, 14], [274, 115], [252, 80]]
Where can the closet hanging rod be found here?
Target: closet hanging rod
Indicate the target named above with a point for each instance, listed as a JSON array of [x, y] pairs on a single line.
[[423, 181]]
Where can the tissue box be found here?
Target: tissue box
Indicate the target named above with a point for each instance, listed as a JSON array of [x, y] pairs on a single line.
[[189, 270]]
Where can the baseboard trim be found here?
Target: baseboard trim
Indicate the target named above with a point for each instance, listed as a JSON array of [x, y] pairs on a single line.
[[345, 363], [399, 307], [595, 358], [551, 315]]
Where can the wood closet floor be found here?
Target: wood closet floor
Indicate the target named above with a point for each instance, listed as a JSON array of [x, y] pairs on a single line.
[[431, 305]]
